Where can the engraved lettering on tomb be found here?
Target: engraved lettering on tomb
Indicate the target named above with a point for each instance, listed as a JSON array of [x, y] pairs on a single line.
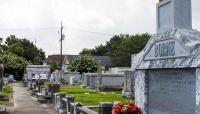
[[166, 49]]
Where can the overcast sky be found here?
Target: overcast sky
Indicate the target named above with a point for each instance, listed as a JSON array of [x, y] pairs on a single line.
[[87, 23]]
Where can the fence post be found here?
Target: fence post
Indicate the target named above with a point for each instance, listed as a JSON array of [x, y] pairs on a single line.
[[77, 105], [105, 107], [54, 98], [57, 102], [62, 95], [72, 106], [70, 99]]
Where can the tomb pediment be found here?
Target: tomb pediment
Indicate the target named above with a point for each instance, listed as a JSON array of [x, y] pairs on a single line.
[[176, 48]]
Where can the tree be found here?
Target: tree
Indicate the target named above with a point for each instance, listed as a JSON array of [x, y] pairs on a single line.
[[84, 64], [98, 50], [121, 56], [54, 66], [120, 48], [86, 51], [24, 48], [17, 53], [13, 64]]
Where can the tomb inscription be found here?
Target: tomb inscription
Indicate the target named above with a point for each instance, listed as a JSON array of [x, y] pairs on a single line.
[[166, 49], [171, 91]]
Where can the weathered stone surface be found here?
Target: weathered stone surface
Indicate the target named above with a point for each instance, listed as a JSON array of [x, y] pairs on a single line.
[[108, 80], [166, 60], [174, 14], [188, 40], [171, 91], [167, 69], [128, 89], [140, 90], [198, 91]]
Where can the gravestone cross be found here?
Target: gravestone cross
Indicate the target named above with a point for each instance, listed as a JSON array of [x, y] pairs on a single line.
[[174, 14]]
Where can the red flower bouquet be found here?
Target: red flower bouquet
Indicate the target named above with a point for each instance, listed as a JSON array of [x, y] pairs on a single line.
[[119, 108]]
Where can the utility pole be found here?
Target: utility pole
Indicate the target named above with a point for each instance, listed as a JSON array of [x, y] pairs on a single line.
[[61, 39], [35, 42]]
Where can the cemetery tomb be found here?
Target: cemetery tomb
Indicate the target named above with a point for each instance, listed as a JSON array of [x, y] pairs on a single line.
[[32, 70], [107, 80], [167, 70]]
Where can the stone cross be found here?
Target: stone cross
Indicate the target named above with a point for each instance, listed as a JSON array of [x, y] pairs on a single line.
[[174, 14]]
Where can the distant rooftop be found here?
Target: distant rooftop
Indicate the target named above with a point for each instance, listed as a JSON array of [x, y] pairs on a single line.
[[104, 60]]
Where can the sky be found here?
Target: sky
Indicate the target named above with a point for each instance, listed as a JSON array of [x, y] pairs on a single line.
[[87, 23]]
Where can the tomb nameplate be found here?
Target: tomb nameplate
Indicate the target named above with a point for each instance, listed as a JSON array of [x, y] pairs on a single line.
[[166, 49], [171, 91]]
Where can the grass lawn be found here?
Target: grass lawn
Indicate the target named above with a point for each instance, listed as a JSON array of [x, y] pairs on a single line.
[[6, 103], [8, 92], [91, 97], [5, 94], [76, 90]]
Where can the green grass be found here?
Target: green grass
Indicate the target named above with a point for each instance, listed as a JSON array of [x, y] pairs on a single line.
[[91, 97], [5, 94], [94, 99], [116, 92], [6, 103], [46, 83], [8, 89], [8, 92], [76, 90]]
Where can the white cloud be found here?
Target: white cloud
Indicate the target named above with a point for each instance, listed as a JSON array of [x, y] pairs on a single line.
[[103, 16]]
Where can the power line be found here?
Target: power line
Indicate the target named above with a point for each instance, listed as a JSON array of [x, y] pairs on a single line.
[[88, 31], [26, 29], [54, 28]]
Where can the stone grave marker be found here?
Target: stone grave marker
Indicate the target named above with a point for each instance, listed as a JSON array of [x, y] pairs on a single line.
[[128, 89], [167, 70]]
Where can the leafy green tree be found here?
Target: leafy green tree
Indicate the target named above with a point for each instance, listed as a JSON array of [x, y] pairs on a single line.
[[120, 48], [54, 66], [24, 48], [129, 45], [84, 64], [16, 53], [86, 51], [98, 50], [13, 64]]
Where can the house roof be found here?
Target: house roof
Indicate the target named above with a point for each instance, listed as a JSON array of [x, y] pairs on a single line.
[[54, 58], [69, 59]]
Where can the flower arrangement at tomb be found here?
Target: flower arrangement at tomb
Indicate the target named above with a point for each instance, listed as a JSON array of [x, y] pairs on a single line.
[[120, 108]]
